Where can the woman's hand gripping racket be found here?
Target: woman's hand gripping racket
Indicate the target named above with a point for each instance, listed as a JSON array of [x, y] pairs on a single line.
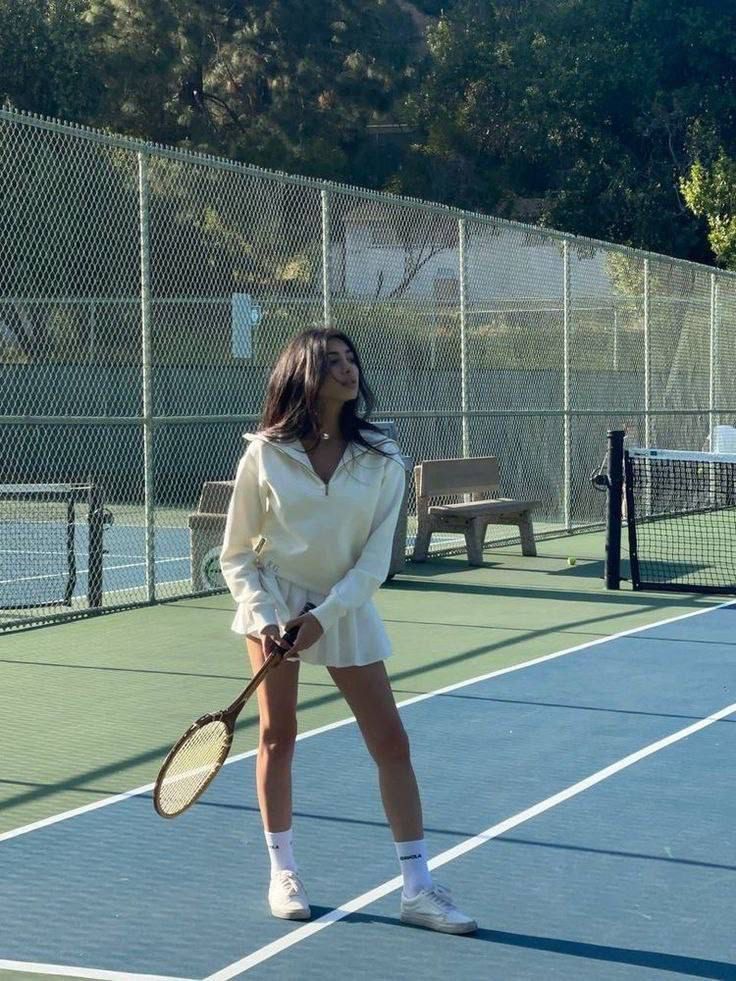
[[197, 757]]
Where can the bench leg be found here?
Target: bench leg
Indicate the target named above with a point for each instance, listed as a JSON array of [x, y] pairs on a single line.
[[421, 544], [526, 532], [475, 536]]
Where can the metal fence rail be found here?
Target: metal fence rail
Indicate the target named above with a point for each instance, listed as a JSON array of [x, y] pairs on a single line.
[[144, 292]]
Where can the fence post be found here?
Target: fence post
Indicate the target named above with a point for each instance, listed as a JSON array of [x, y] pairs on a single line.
[[567, 421], [647, 361], [326, 284], [463, 338], [615, 339], [148, 463], [713, 361]]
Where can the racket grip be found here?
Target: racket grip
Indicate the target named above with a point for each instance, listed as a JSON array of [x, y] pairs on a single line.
[[290, 635]]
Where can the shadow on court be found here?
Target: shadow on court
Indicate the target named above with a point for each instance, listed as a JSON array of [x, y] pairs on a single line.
[[655, 960], [429, 582]]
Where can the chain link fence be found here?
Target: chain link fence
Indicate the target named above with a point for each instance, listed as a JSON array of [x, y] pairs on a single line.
[[145, 291]]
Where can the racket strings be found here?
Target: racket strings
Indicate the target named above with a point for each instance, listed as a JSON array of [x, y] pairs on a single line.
[[192, 766]]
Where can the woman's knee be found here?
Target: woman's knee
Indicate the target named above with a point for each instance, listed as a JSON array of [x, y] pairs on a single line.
[[391, 746], [278, 739]]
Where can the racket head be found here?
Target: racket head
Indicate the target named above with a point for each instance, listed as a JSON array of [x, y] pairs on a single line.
[[196, 759], [192, 764]]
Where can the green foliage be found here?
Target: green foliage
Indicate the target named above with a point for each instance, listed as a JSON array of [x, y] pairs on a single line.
[[609, 118], [57, 240], [627, 273], [267, 82], [710, 193], [46, 65], [581, 114]]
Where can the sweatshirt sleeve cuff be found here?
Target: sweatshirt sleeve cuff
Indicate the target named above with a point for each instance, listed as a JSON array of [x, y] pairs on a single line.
[[262, 616], [328, 612]]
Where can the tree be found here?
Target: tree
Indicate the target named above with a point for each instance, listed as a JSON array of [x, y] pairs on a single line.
[[267, 82], [710, 193], [46, 65], [578, 113], [58, 244]]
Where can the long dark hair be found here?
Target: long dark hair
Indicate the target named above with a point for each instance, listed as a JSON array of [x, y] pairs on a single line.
[[290, 407]]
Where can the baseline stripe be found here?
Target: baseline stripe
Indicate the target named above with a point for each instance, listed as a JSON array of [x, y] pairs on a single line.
[[63, 970], [360, 902]]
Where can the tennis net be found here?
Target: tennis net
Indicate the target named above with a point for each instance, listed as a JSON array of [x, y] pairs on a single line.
[[43, 535], [681, 513]]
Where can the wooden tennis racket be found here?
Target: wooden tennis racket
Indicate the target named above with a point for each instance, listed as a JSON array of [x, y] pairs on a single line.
[[196, 759]]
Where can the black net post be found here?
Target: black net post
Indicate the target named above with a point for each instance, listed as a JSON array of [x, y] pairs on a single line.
[[615, 482], [96, 524], [71, 557]]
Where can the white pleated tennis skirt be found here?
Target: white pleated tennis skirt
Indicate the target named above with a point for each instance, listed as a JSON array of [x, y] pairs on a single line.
[[358, 637]]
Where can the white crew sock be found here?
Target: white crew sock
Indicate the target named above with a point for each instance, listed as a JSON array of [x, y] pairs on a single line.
[[280, 851], [412, 857]]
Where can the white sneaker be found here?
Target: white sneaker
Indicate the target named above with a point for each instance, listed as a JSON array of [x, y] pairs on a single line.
[[434, 909], [287, 897]]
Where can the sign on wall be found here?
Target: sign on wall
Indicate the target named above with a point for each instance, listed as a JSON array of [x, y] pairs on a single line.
[[245, 316]]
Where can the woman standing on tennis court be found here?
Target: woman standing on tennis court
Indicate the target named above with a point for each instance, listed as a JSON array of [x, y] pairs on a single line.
[[311, 520]]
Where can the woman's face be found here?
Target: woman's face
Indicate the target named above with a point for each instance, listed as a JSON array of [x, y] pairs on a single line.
[[341, 383]]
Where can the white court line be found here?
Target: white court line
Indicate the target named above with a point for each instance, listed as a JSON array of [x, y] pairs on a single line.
[[360, 902], [117, 798], [141, 563], [43, 578], [63, 970], [83, 572]]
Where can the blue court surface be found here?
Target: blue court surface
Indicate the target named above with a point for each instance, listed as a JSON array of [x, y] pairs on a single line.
[[124, 562], [37, 572], [582, 807]]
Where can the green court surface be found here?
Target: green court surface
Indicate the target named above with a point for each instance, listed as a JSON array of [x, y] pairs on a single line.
[[689, 549], [97, 703]]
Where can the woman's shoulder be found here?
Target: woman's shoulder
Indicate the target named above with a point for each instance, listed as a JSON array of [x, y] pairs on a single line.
[[387, 460], [252, 443], [255, 442], [256, 448], [261, 446], [381, 442]]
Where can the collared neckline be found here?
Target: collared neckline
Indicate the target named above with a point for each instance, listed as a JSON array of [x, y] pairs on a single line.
[[294, 448]]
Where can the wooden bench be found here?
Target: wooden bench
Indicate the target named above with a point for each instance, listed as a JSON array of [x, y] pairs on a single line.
[[479, 477]]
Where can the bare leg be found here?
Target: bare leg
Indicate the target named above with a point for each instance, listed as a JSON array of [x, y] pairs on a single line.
[[277, 699], [368, 693]]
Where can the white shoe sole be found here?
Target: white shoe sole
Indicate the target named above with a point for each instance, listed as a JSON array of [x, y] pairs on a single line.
[[416, 919], [291, 914]]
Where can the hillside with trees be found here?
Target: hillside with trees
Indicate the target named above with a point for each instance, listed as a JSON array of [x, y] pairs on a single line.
[[609, 118]]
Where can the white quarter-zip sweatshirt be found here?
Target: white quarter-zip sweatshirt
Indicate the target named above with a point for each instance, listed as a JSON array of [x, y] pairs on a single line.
[[332, 538]]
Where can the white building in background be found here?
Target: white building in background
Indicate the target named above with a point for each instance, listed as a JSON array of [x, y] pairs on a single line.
[[414, 254]]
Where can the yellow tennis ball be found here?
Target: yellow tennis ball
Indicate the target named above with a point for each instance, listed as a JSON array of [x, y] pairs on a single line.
[[571, 560]]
